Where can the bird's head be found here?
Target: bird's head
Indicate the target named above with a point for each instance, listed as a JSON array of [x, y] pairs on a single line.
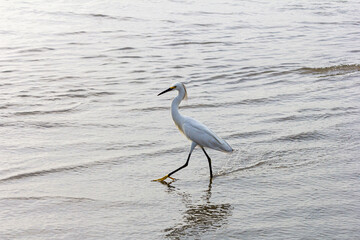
[[180, 87]]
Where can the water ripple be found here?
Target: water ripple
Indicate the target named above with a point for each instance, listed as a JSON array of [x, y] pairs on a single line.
[[303, 136], [337, 69], [43, 112]]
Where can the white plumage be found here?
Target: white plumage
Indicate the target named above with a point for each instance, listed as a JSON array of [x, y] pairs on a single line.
[[198, 133], [203, 136]]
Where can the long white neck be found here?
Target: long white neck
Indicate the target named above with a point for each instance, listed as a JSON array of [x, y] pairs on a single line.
[[177, 117]]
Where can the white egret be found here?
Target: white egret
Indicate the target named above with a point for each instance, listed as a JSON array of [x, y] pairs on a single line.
[[195, 131]]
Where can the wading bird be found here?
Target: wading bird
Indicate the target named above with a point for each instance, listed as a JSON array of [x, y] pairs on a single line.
[[195, 131]]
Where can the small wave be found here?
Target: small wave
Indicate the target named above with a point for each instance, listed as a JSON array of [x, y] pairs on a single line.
[[311, 109], [98, 15], [183, 66], [73, 33], [102, 93], [118, 146], [250, 101], [200, 13], [338, 69], [138, 71], [82, 94], [275, 82], [254, 101], [309, 117], [294, 118], [41, 112], [65, 198], [129, 57], [77, 90], [295, 165], [192, 43], [249, 134], [38, 173], [304, 136], [8, 105], [287, 118], [42, 49], [121, 49], [8, 71], [72, 95], [313, 114], [70, 13], [224, 173], [150, 109], [257, 73], [78, 43], [220, 76], [47, 125], [42, 172], [95, 56]]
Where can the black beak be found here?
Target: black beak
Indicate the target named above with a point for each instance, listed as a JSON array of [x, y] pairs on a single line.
[[167, 90]]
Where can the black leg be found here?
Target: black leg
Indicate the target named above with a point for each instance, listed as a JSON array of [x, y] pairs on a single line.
[[209, 160], [185, 165]]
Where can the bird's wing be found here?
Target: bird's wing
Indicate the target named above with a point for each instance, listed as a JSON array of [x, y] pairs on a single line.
[[203, 136]]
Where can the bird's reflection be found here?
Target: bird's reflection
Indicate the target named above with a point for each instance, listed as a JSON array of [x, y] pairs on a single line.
[[198, 218]]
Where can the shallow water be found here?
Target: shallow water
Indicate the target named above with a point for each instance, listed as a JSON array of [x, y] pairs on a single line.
[[83, 132]]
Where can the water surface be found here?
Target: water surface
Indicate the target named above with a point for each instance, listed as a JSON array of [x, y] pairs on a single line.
[[83, 132]]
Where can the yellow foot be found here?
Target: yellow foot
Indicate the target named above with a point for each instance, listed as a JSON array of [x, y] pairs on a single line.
[[163, 179]]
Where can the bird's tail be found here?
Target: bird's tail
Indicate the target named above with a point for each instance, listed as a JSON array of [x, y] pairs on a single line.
[[225, 147]]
